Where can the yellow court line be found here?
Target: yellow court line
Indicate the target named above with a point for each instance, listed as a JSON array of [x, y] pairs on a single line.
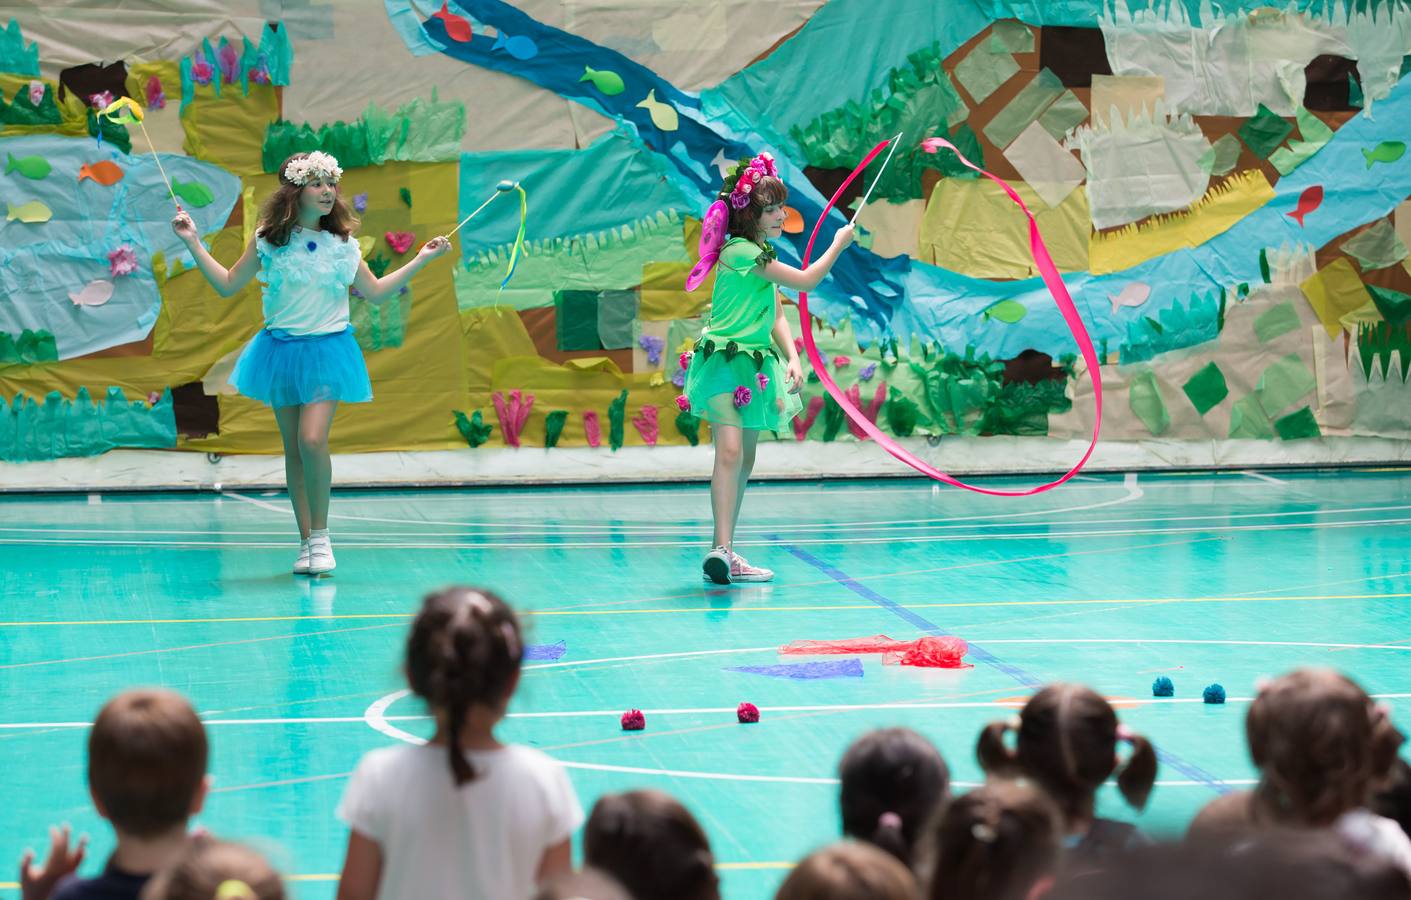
[[1291, 598]]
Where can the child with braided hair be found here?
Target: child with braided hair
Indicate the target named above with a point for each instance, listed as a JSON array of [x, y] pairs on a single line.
[[462, 816]]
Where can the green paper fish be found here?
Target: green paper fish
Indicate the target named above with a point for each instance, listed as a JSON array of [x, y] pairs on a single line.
[[1006, 311], [194, 193], [610, 83], [1385, 152], [31, 213], [664, 115], [35, 167], [406, 196]]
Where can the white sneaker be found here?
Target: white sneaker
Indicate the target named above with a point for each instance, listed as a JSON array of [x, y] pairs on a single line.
[[716, 567], [741, 570], [301, 565], [320, 555]]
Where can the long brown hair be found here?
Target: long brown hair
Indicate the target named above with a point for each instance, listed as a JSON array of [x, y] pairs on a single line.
[[652, 845], [464, 649], [744, 223], [893, 779], [1067, 742], [1321, 744], [280, 212], [994, 843]]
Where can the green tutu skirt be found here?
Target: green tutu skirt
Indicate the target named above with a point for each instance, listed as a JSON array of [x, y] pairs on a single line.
[[727, 385]]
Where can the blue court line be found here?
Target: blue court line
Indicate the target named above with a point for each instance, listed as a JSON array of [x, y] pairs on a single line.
[[978, 653]]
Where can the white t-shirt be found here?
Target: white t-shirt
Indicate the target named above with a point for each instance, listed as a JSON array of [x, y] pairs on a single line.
[[483, 841], [306, 281]]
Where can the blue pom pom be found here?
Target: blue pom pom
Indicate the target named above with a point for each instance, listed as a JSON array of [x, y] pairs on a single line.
[[1215, 693], [1162, 687], [313, 245]]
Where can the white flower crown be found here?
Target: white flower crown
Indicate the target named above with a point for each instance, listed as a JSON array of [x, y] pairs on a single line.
[[316, 165]]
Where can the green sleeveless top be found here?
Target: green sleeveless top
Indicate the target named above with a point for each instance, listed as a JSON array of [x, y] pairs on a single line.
[[742, 305]]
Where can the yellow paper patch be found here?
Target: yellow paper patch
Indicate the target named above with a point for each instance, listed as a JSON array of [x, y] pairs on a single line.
[[973, 228], [1219, 210], [664, 293], [1335, 292], [229, 130]]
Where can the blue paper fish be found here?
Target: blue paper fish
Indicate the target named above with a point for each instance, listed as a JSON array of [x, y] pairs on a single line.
[[519, 46]]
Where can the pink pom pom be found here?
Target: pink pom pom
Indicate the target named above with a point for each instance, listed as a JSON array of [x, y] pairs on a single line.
[[683, 403], [747, 713], [633, 720], [742, 396]]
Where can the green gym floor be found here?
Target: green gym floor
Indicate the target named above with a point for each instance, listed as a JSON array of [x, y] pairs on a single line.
[[1109, 580]]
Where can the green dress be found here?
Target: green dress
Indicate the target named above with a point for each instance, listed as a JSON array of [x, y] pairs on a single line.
[[735, 376]]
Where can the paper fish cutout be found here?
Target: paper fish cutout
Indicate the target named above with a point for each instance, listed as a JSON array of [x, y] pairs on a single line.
[[1385, 152], [106, 173], [1309, 200], [156, 96], [95, 293], [722, 165], [793, 221], [31, 213], [399, 241], [663, 115], [519, 46], [194, 193], [122, 261], [1006, 311], [35, 167], [610, 83], [457, 27], [1134, 294]]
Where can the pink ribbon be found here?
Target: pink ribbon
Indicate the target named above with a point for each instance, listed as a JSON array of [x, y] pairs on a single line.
[[1056, 288]]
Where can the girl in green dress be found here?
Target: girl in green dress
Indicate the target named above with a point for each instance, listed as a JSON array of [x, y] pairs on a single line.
[[744, 374]]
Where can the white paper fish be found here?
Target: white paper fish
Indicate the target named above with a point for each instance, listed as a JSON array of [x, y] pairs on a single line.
[[1134, 294], [722, 165], [95, 293]]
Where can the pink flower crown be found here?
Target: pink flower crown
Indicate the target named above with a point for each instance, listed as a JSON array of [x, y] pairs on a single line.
[[746, 176]]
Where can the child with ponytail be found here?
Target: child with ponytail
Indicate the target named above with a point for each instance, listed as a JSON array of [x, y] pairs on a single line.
[[463, 815], [893, 781], [1066, 740]]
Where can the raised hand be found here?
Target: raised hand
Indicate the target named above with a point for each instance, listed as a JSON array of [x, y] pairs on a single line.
[[435, 247], [184, 227], [38, 882]]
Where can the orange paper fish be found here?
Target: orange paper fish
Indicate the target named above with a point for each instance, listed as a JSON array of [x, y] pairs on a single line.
[[1309, 200], [106, 173]]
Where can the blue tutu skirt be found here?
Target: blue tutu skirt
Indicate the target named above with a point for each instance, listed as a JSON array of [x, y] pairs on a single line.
[[281, 369]]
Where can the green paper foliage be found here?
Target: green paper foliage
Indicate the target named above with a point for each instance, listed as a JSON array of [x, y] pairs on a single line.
[[969, 395], [901, 413], [1144, 397], [1376, 343], [1264, 131], [689, 426], [1178, 326], [474, 429], [833, 418], [553, 427], [29, 348], [919, 100], [617, 418], [1206, 388], [61, 428], [111, 131], [21, 112], [1298, 425], [419, 131], [377, 326], [15, 55]]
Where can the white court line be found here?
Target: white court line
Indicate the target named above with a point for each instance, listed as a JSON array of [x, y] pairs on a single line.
[[1133, 492], [623, 545], [1269, 479], [923, 530]]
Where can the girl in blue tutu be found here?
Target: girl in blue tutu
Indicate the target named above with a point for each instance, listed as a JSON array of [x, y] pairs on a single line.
[[304, 362]]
